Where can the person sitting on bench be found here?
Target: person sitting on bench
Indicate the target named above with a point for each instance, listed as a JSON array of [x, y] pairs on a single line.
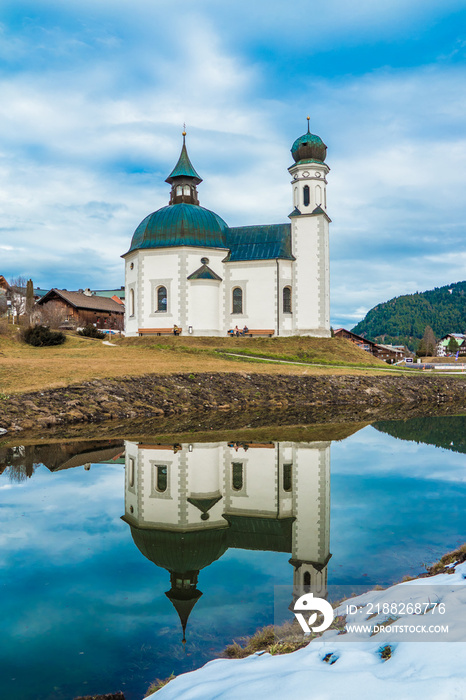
[[245, 330]]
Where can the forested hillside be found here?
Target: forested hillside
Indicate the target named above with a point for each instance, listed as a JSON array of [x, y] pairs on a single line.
[[447, 432], [402, 320]]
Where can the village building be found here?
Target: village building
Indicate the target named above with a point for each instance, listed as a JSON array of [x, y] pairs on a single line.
[[387, 353], [186, 267], [83, 308], [442, 345]]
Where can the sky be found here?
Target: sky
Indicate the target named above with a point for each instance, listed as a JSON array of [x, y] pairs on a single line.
[[94, 96]]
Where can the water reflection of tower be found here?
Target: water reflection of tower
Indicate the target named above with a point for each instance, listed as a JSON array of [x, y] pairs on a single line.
[[187, 504]]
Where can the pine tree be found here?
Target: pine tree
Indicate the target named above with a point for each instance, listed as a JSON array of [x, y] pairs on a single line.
[[429, 341]]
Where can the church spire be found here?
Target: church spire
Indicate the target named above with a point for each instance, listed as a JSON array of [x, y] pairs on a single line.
[[184, 595], [183, 179]]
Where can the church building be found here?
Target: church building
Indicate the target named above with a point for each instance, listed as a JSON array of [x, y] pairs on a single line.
[[187, 268]]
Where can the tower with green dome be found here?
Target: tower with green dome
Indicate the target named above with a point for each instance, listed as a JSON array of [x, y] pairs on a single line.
[[310, 235]]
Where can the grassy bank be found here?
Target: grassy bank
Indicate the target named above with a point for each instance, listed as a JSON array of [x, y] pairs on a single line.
[[25, 368]]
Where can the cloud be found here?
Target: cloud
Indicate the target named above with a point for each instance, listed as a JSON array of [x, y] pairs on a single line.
[[94, 98]]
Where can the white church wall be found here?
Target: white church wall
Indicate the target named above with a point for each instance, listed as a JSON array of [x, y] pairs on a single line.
[[204, 307], [311, 501], [258, 492], [257, 279], [131, 293], [204, 297], [286, 319], [159, 268], [312, 290]]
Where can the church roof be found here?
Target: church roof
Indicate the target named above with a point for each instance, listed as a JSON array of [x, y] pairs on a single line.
[[181, 551], [204, 273], [184, 167], [262, 242], [180, 225], [309, 148]]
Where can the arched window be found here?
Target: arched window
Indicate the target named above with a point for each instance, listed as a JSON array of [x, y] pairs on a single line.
[[131, 472], [287, 300], [307, 578], [237, 476], [179, 190], [306, 195], [162, 478], [162, 299], [318, 195], [131, 302], [187, 190], [237, 300], [287, 477]]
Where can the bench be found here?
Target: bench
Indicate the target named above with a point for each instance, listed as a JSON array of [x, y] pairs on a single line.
[[251, 332], [159, 331]]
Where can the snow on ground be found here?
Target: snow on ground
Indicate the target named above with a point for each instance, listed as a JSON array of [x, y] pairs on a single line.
[[416, 670]]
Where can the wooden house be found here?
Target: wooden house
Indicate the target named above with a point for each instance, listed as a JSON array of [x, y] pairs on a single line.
[[81, 309]]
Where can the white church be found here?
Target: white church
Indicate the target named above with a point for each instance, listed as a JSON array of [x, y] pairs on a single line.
[[187, 268], [187, 504]]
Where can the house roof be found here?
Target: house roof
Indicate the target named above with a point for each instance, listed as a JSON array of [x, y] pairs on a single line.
[[4, 284], [262, 242], [83, 301], [354, 335]]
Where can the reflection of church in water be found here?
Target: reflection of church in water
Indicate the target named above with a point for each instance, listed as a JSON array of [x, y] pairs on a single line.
[[187, 504]]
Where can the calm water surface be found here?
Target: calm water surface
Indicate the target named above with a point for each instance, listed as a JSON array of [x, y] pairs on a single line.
[[104, 562]]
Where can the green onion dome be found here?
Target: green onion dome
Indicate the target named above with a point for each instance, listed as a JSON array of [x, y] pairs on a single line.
[[309, 147], [180, 225], [181, 551]]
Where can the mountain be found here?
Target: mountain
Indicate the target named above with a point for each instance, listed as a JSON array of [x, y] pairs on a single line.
[[448, 432], [402, 320]]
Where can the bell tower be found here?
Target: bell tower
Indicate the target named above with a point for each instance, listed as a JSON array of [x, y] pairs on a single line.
[[310, 236], [184, 179]]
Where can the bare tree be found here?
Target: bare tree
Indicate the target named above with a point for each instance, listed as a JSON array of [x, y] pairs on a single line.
[[18, 297], [51, 314]]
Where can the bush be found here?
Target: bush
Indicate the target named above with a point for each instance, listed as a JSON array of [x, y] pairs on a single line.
[[39, 336], [91, 331]]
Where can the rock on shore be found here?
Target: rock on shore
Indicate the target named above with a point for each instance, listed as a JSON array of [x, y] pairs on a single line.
[[154, 396]]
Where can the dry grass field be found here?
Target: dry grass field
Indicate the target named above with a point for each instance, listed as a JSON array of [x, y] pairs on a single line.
[[25, 368]]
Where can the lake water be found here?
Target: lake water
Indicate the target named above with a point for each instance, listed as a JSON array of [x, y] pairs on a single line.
[[109, 547]]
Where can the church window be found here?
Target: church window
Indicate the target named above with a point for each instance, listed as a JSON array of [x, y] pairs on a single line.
[[307, 579], [287, 472], [179, 191], [162, 299], [187, 190], [318, 195], [162, 478], [287, 300], [131, 302], [237, 476], [306, 195], [131, 472], [237, 300]]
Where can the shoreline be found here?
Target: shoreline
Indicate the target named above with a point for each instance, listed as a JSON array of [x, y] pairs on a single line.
[[216, 399]]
